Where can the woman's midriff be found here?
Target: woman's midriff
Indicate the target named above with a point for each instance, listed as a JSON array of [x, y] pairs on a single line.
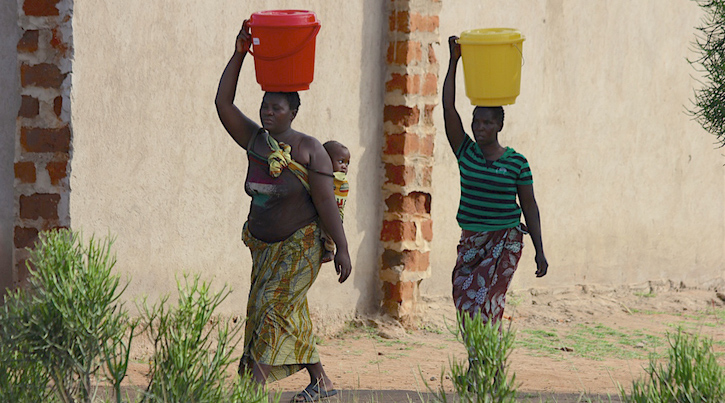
[[280, 206]]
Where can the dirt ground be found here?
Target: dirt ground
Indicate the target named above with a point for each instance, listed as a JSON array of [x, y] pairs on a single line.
[[571, 345]]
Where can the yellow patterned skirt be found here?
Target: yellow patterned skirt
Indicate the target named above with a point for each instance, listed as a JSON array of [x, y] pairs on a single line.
[[278, 330]]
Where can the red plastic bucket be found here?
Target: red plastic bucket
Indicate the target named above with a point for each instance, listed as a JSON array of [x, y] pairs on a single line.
[[283, 46]]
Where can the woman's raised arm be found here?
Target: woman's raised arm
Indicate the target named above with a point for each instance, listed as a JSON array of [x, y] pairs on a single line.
[[238, 125], [454, 126]]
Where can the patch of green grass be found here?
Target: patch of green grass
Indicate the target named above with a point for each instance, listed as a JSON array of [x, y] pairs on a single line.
[[650, 312], [594, 342], [540, 342], [431, 329]]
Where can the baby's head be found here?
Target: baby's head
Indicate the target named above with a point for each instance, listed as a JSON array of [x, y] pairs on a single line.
[[339, 154]]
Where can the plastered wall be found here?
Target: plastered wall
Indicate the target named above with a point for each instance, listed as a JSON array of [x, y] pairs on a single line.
[[154, 167], [9, 105], [629, 187]]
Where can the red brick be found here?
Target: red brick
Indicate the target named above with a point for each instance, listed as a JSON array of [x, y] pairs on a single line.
[[39, 205], [432, 55], [57, 42], [57, 170], [25, 237], [428, 115], [29, 42], [399, 21], [401, 144], [403, 21], [29, 107], [44, 75], [41, 8], [41, 140], [57, 105], [397, 231], [411, 260], [425, 23], [430, 84], [413, 203], [399, 174], [25, 171], [401, 114], [23, 272], [427, 145], [426, 229], [406, 83], [399, 292], [404, 52], [426, 176]]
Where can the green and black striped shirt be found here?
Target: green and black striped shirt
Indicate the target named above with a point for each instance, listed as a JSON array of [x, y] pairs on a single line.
[[488, 188]]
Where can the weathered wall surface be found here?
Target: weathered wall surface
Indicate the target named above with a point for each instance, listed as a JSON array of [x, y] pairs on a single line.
[[153, 165], [629, 187], [9, 105]]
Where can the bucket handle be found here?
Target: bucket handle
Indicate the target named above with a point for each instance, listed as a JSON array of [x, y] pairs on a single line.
[[304, 43]]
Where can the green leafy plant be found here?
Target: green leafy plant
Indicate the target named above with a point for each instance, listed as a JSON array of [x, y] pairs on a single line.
[[484, 377], [67, 331], [709, 103], [193, 349], [691, 374], [67, 338]]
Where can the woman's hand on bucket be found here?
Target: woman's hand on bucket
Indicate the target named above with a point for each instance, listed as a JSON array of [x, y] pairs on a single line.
[[244, 38], [343, 265], [454, 47]]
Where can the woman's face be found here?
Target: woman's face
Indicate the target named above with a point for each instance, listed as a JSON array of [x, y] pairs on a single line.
[[485, 126], [275, 113]]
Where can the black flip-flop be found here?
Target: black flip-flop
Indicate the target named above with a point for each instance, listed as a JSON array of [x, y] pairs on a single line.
[[312, 393]]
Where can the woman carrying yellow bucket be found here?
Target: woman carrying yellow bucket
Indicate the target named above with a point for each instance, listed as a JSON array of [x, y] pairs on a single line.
[[492, 176]]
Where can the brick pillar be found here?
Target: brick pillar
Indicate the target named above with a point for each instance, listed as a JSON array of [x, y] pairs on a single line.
[[411, 94], [43, 134]]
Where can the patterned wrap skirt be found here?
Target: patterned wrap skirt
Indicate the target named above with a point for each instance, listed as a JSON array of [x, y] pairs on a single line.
[[484, 268], [278, 330]]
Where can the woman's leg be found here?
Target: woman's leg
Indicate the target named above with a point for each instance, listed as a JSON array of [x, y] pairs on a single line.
[[318, 376], [259, 371]]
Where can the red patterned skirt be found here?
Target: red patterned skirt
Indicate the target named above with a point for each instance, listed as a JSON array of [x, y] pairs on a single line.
[[484, 268]]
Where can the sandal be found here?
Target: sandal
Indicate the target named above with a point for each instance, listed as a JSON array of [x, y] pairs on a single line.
[[312, 393]]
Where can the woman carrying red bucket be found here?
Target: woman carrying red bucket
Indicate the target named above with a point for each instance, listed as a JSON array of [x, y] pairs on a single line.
[[291, 185]]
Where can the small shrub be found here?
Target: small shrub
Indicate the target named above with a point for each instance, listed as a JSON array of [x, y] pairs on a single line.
[[709, 103], [193, 350], [691, 374], [484, 377], [67, 326]]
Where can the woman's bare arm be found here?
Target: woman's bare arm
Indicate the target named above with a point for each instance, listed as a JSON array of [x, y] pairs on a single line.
[[453, 124], [533, 222], [238, 125], [323, 197]]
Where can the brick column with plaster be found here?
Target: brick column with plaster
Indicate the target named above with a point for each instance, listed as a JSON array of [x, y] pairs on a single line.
[[43, 132], [411, 94]]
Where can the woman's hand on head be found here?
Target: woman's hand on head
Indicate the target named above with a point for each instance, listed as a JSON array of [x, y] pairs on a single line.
[[454, 47], [244, 38], [343, 265]]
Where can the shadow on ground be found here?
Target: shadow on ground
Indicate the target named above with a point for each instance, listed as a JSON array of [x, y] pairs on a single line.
[[411, 396]]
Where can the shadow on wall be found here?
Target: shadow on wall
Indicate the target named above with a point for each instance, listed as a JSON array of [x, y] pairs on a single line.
[[372, 67], [9, 106]]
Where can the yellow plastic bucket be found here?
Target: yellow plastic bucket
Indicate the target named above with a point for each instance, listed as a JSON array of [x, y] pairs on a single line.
[[492, 59]]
